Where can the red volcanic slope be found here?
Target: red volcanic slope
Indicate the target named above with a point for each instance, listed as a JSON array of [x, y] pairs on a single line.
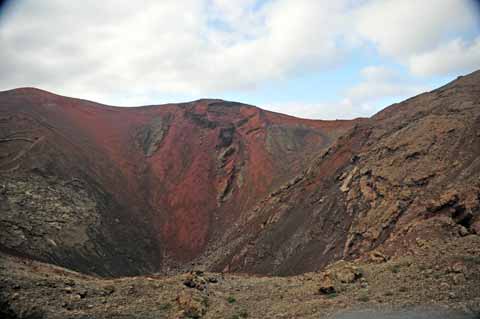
[[181, 174]]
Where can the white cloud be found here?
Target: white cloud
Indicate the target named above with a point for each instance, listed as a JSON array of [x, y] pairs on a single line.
[[425, 36], [343, 109], [406, 27], [377, 73], [361, 100], [380, 82], [119, 51], [188, 47], [456, 56]]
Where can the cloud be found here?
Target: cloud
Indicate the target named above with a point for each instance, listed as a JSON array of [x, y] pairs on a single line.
[[377, 73], [380, 82], [123, 52], [429, 37], [343, 109], [361, 100], [403, 28], [456, 56], [188, 47]]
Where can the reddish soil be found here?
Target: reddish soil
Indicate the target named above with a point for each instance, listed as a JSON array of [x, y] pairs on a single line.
[[185, 172]]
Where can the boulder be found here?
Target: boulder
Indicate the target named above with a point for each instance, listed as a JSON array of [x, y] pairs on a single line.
[[326, 286], [348, 274]]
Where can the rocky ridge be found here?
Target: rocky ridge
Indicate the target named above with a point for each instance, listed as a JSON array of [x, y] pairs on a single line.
[[408, 174]]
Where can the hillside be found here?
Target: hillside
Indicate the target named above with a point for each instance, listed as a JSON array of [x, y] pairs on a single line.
[[118, 191], [408, 175], [223, 210]]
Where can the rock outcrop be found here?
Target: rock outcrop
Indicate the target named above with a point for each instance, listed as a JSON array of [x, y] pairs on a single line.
[[151, 135]]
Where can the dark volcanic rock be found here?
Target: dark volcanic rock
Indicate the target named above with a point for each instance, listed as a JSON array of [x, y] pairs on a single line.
[[151, 135]]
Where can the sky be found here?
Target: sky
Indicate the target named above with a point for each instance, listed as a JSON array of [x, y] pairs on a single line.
[[317, 59]]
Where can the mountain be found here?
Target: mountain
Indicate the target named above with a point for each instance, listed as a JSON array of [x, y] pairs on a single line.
[[407, 176], [123, 191], [379, 213]]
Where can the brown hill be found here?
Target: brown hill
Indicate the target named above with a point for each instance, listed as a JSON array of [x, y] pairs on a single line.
[[229, 187], [118, 191], [407, 176], [385, 212]]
